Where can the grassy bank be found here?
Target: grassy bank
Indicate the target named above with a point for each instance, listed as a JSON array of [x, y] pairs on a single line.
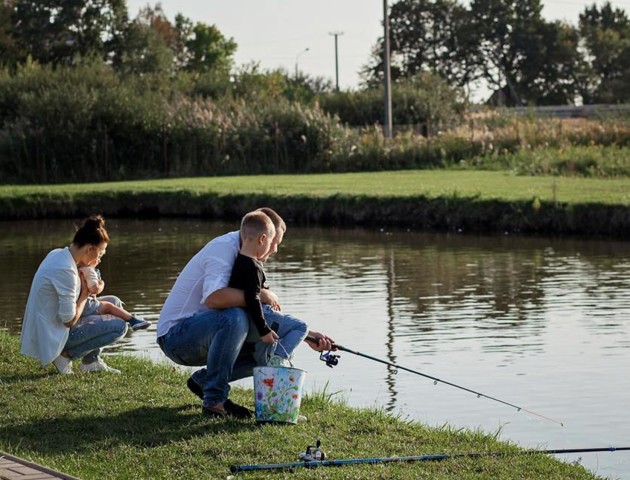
[[475, 201], [145, 424]]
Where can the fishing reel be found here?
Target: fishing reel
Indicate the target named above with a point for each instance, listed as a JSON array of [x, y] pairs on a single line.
[[313, 453], [331, 359]]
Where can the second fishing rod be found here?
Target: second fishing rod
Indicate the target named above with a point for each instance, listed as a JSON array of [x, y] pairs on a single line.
[[332, 360]]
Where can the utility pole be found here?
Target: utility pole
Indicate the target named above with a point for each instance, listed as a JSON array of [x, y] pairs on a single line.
[[336, 34], [387, 124]]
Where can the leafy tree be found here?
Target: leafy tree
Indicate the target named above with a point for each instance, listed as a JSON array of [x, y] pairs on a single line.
[[150, 44], [155, 44], [556, 78], [507, 35], [427, 36], [606, 35], [526, 59], [61, 31], [203, 48], [504, 43], [9, 51]]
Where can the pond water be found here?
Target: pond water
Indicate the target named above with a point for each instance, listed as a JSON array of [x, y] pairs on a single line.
[[538, 322]]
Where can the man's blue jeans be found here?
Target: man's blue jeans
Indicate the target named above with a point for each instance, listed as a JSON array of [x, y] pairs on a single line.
[[212, 338], [88, 337], [215, 338]]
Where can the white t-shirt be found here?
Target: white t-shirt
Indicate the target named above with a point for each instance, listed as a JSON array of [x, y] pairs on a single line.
[[91, 276], [208, 271], [51, 302]]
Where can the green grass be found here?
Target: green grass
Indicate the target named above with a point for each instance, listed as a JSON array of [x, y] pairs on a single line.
[[145, 424], [480, 185]]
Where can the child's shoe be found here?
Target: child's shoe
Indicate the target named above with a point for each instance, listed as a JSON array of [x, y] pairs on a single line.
[[138, 323]]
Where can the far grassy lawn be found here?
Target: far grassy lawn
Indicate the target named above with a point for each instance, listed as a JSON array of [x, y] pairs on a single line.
[[483, 185]]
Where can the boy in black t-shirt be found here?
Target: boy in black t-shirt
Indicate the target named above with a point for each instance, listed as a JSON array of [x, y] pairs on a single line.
[[257, 234]]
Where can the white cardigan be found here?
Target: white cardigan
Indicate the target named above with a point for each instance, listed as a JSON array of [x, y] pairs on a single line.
[[52, 301]]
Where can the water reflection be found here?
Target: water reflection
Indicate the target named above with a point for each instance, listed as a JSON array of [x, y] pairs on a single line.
[[539, 322]]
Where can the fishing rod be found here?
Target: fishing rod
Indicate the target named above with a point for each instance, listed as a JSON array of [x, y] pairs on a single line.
[[415, 458], [333, 360]]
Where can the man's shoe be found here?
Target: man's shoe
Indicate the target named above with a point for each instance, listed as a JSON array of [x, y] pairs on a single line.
[[209, 412], [63, 365], [194, 387], [231, 409], [98, 366], [138, 323], [237, 411]]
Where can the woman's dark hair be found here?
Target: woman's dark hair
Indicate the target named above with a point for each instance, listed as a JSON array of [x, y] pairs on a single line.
[[91, 232]]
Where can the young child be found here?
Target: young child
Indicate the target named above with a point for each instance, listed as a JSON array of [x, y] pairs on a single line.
[[257, 234], [94, 306]]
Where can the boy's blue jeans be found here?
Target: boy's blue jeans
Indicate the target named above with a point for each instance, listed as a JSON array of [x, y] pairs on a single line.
[[214, 339]]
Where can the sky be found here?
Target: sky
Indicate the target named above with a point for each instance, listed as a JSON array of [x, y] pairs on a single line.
[[277, 33]]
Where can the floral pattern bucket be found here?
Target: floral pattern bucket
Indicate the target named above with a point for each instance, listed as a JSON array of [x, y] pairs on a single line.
[[278, 393]]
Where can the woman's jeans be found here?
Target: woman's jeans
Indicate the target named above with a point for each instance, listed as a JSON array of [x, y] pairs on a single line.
[[88, 337], [216, 338]]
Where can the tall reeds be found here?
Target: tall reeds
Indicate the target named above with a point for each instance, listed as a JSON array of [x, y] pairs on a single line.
[[88, 123]]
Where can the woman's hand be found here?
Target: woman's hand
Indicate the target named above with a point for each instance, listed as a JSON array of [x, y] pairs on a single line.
[[270, 338], [324, 342]]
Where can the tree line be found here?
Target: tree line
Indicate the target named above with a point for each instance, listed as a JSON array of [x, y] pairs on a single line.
[[66, 32], [506, 44], [523, 58]]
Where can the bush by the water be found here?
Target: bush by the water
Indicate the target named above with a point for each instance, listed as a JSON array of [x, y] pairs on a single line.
[[89, 123], [425, 104]]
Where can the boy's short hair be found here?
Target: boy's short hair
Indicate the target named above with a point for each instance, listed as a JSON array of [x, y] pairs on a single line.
[[256, 223], [275, 218]]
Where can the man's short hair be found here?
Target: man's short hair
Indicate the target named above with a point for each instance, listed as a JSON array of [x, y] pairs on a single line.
[[275, 218], [256, 223]]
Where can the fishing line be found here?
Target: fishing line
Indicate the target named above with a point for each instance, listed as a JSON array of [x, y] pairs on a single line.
[[332, 360]]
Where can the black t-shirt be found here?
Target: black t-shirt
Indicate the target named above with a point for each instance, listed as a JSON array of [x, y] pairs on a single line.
[[248, 275]]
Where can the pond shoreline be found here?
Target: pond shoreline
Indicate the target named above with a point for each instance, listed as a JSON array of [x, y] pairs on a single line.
[[449, 213]]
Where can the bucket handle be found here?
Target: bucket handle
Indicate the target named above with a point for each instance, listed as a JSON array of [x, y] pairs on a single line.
[[278, 344]]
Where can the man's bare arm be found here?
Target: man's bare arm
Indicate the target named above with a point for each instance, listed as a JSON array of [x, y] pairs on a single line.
[[233, 297], [226, 298]]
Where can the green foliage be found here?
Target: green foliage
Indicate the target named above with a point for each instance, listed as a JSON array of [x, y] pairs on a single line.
[[589, 161], [424, 102], [427, 36], [62, 31], [606, 34], [90, 123], [512, 48], [206, 49], [85, 123]]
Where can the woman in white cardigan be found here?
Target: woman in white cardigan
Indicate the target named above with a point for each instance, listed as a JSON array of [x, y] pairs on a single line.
[[53, 330]]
